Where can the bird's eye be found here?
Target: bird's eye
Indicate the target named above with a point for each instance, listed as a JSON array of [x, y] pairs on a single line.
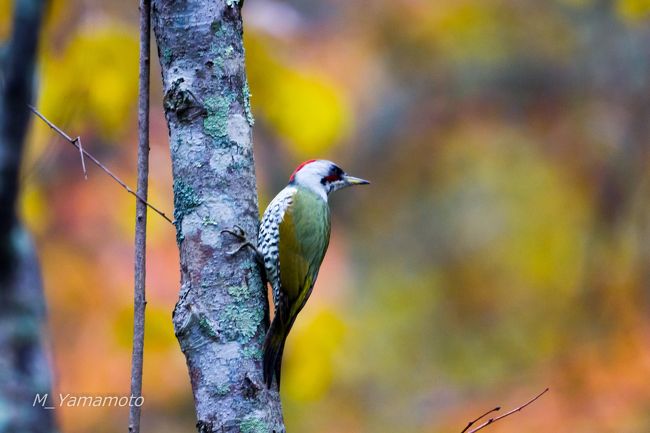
[[334, 175]]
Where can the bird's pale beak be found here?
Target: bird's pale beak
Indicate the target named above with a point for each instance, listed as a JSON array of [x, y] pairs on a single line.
[[351, 180]]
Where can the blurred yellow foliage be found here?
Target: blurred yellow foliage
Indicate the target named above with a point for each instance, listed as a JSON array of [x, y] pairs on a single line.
[[124, 204], [310, 355], [465, 30], [536, 233], [633, 10], [576, 3], [159, 331], [486, 34], [308, 111], [93, 81], [34, 210], [470, 29], [5, 18]]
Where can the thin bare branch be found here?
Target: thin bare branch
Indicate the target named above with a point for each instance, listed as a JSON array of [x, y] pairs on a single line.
[[140, 258], [475, 420], [507, 414], [76, 143]]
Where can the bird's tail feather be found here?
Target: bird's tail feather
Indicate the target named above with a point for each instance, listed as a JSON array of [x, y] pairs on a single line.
[[273, 348]]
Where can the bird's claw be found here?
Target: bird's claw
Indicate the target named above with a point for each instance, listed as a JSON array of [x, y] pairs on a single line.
[[239, 248], [237, 232], [240, 234]]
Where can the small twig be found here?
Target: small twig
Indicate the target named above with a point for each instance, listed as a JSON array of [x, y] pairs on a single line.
[[81, 155], [474, 421], [76, 142], [493, 420]]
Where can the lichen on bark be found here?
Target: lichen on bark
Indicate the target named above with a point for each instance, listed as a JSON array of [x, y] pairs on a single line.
[[222, 313]]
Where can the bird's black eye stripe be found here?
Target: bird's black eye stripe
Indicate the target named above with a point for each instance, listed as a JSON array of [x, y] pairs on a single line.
[[334, 175]]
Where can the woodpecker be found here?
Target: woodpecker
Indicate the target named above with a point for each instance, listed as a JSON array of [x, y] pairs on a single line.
[[293, 238]]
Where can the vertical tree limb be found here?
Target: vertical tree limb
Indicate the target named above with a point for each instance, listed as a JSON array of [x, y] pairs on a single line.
[[24, 369], [139, 298], [222, 314]]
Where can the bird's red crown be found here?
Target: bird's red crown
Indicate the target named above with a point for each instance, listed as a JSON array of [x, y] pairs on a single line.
[[293, 175]]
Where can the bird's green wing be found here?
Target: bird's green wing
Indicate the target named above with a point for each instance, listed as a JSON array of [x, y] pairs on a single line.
[[304, 237]]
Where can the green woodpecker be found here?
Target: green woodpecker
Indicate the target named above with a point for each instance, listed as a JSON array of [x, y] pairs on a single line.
[[293, 238]]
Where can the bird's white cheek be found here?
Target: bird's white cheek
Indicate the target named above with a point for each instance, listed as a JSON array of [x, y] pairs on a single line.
[[335, 186]]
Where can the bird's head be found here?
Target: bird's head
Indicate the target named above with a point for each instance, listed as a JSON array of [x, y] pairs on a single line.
[[323, 177]]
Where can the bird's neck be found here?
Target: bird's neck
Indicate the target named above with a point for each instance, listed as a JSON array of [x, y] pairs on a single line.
[[309, 188]]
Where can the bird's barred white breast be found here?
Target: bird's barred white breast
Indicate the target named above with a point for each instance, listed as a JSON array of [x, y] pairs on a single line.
[[269, 237]]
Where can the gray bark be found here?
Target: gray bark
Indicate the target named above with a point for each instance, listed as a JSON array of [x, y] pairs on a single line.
[[24, 370], [222, 313]]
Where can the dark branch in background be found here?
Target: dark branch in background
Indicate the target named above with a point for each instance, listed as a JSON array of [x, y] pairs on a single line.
[[496, 409], [76, 142], [25, 368], [139, 298]]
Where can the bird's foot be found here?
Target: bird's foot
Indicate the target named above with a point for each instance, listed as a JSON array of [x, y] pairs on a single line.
[[240, 234]]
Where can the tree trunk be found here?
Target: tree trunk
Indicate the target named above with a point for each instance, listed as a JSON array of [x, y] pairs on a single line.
[[222, 313], [24, 369]]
